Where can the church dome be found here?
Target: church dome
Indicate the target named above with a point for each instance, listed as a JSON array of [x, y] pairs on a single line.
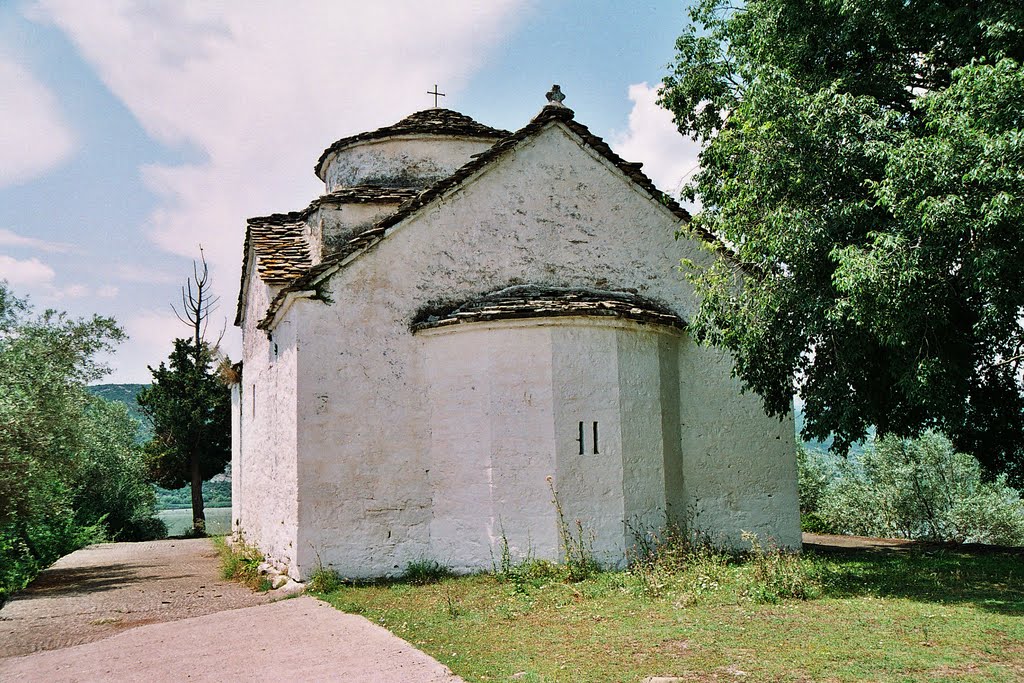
[[417, 151]]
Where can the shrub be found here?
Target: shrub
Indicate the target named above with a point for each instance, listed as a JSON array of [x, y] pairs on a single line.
[[921, 489], [324, 580], [423, 572]]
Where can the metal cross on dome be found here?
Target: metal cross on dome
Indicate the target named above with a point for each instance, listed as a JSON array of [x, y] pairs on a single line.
[[435, 94]]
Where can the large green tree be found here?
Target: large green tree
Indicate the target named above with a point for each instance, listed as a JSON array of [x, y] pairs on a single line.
[[70, 471], [190, 411], [864, 163]]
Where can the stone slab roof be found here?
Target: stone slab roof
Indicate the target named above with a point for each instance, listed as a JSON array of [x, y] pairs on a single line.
[[437, 121], [357, 194], [537, 301], [283, 229], [551, 113], [281, 248]]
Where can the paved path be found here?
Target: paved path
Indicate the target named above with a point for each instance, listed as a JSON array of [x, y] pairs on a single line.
[[159, 611]]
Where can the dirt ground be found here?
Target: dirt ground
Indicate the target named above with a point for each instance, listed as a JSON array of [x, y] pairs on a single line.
[[104, 589], [159, 611]]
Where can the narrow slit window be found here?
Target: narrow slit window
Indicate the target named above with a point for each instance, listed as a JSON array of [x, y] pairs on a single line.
[[580, 438], [595, 438]]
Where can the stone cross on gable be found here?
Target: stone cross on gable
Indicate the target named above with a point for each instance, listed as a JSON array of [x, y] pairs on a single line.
[[435, 94], [556, 96]]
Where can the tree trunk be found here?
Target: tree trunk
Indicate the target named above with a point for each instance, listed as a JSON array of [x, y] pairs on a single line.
[[198, 513]]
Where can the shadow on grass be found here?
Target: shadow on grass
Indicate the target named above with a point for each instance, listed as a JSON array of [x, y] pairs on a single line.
[[990, 579]]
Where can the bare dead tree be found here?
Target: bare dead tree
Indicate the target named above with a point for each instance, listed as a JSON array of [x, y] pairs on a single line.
[[197, 302]]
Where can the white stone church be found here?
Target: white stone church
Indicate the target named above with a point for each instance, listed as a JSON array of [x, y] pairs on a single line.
[[467, 319]]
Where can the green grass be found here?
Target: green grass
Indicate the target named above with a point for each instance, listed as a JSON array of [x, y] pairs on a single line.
[[919, 615]]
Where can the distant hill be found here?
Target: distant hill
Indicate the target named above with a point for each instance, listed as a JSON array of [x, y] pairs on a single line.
[[126, 393], [216, 492]]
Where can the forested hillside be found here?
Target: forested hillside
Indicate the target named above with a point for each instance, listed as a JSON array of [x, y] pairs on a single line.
[[125, 393]]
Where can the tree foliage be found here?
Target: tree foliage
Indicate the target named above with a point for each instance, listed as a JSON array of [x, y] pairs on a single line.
[[70, 471], [863, 161], [190, 411], [920, 489]]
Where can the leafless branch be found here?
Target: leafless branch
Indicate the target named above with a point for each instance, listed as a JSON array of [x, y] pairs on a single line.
[[197, 303]]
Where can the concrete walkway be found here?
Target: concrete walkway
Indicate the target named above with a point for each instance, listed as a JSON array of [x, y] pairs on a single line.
[[159, 612]]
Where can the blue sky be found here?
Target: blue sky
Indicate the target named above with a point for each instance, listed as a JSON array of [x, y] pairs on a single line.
[[131, 131]]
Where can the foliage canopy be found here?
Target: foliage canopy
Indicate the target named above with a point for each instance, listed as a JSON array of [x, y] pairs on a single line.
[[910, 488], [863, 161], [70, 470], [190, 411]]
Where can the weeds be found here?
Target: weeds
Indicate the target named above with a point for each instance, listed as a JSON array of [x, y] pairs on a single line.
[[777, 574], [686, 561], [423, 572], [577, 546], [451, 604], [527, 572], [241, 562], [324, 580]]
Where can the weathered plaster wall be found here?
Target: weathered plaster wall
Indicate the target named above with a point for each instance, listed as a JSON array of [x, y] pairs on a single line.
[[340, 222], [492, 443], [554, 214], [236, 456], [739, 466], [409, 161], [589, 485], [264, 462]]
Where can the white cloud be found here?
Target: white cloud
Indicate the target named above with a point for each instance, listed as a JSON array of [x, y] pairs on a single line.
[[260, 89], [12, 239], [150, 340], [74, 291], [127, 272], [669, 158], [25, 273], [33, 135], [107, 292]]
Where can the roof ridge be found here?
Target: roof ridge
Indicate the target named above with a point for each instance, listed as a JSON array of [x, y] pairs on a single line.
[[550, 113]]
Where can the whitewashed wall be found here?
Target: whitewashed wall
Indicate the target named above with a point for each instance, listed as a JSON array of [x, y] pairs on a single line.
[[492, 443], [236, 457], [264, 461], [739, 467], [413, 160], [553, 213]]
